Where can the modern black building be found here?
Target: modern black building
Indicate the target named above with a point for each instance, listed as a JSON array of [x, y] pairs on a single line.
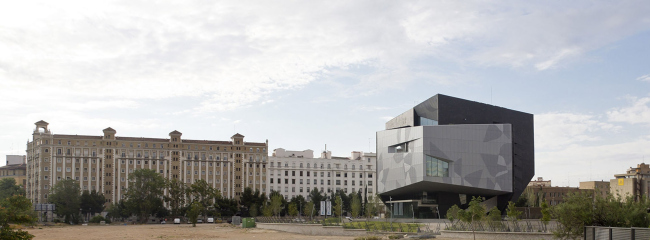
[[446, 150]]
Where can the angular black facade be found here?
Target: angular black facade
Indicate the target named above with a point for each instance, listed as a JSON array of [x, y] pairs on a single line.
[[437, 128]]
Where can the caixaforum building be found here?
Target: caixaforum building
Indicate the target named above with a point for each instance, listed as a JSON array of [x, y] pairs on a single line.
[[446, 150]]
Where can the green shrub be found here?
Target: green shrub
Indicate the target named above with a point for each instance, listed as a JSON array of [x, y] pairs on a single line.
[[395, 236], [368, 238], [97, 219]]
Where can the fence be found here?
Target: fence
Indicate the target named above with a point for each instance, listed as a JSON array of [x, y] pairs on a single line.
[[370, 226], [610, 233], [503, 226]]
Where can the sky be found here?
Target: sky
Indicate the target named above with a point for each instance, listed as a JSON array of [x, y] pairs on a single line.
[[305, 74]]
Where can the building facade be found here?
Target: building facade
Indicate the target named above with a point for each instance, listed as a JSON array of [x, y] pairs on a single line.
[[553, 195], [446, 150], [15, 159], [294, 173], [635, 182], [16, 169], [103, 163], [540, 182], [600, 188]]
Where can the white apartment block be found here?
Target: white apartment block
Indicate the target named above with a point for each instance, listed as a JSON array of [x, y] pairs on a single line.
[[294, 173]]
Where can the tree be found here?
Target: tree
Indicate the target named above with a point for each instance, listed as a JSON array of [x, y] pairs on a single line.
[[299, 201], [512, 212], [193, 213], [92, 202], [546, 214], [204, 194], [355, 206], [266, 210], [118, 210], [453, 213], [144, 195], [176, 191], [65, 196], [522, 201], [253, 210], [276, 204], [338, 205], [473, 213], [15, 209], [8, 188], [572, 215], [316, 196], [293, 210], [309, 209], [370, 207]]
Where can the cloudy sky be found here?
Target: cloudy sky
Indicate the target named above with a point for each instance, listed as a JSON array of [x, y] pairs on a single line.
[[303, 74]]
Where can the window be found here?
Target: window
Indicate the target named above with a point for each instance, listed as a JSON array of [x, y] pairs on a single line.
[[427, 122], [434, 167]]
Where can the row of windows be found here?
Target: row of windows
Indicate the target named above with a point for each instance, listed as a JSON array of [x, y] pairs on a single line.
[[322, 189], [322, 174], [322, 182], [322, 166]]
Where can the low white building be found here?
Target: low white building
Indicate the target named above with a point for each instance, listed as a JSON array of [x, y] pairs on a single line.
[[294, 173]]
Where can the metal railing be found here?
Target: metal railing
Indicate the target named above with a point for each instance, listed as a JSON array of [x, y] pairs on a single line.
[[610, 233], [502, 226]]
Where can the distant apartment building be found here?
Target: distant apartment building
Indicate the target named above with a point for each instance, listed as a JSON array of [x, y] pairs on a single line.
[[634, 182], [600, 188], [104, 162], [294, 173], [551, 195], [15, 168], [15, 159], [540, 182]]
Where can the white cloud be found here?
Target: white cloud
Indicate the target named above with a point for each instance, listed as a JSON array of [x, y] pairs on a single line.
[[576, 163], [555, 131], [638, 112], [232, 55], [645, 78]]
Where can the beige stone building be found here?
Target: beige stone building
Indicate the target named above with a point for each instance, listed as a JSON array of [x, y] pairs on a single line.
[[104, 162], [634, 182], [15, 168], [600, 188]]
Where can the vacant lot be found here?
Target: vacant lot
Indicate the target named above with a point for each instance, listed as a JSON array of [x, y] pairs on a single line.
[[166, 231]]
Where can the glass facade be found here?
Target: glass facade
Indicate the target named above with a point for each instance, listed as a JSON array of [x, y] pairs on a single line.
[[436, 167], [428, 122]]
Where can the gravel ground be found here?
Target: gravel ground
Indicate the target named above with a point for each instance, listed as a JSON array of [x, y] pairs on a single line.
[[166, 231]]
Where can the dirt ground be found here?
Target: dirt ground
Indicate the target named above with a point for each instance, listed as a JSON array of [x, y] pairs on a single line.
[[165, 231]]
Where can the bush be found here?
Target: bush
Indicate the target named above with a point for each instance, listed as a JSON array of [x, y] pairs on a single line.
[[367, 238], [97, 219], [395, 236]]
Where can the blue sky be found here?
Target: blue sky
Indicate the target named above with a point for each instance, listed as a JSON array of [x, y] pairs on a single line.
[[303, 74]]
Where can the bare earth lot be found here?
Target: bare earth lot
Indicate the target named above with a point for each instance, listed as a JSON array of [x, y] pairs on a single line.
[[166, 231]]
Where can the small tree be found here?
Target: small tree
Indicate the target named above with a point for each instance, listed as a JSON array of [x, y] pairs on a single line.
[[546, 215], [309, 209], [267, 211], [193, 213], [512, 212], [356, 206], [474, 213], [253, 210], [292, 210], [370, 207], [338, 204], [453, 213], [15, 209], [276, 204]]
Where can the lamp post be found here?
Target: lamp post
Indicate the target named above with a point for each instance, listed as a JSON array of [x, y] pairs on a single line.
[[391, 210]]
